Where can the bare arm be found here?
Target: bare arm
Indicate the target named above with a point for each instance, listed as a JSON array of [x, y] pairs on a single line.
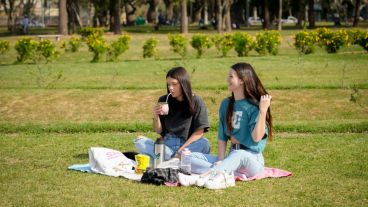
[[194, 137], [260, 128], [157, 124], [221, 149], [157, 127]]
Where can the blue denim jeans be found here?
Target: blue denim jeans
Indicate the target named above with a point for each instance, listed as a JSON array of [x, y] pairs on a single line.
[[172, 144], [248, 162]]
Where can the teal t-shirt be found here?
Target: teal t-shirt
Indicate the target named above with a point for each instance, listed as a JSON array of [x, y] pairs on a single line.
[[245, 115]]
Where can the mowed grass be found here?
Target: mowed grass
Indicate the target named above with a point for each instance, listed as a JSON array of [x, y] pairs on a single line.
[[328, 170], [76, 105], [277, 72]]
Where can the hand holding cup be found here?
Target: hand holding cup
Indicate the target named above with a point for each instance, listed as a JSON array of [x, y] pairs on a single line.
[[162, 108]]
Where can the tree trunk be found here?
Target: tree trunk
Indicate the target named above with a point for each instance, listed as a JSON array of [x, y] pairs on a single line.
[[73, 16], [63, 18], [184, 17], [198, 7], [10, 11], [247, 8], [279, 25], [130, 13], [356, 12], [169, 10], [112, 14], [117, 29], [152, 11], [237, 12], [311, 19], [29, 7], [219, 16], [300, 13], [101, 12], [266, 15], [227, 5]]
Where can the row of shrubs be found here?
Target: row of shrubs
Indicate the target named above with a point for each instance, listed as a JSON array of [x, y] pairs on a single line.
[[29, 49], [332, 41], [241, 42]]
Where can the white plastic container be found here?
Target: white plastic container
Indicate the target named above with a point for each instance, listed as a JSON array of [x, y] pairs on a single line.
[[185, 162]]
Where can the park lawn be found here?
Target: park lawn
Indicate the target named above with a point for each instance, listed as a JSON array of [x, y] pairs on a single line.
[[329, 170], [276, 72], [129, 106], [51, 114]]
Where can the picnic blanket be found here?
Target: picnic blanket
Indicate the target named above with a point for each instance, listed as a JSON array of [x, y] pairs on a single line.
[[114, 163]]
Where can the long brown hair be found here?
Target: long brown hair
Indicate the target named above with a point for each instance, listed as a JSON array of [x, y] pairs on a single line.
[[180, 74], [253, 90]]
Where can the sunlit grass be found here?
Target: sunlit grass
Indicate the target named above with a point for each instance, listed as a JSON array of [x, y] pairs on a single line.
[[329, 170], [46, 124], [126, 106]]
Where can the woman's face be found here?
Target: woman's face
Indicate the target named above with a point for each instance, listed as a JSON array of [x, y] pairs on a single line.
[[233, 81], [175, 88]]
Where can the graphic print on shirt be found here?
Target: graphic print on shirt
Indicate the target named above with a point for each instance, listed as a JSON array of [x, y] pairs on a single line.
[[236, 119]]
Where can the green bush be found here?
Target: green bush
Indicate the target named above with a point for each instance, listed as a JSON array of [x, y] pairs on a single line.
[[223, 43], [26, 49], [359, 37], [243, 43], [97, 45], [332, 41], [74, 44], [4, 46], [150, 48], [178, 44], [118, 47], [200, 42], [268, 41], [87, 31], [48, 50], [305, 41]]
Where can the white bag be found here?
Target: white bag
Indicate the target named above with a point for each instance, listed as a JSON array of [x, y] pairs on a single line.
[[111, 162]]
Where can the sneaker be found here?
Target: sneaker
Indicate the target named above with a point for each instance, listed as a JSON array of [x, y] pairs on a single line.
[[204, 177], [221, 180], [187, 180]]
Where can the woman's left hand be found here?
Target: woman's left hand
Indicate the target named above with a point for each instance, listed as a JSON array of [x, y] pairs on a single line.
[[265, 103]]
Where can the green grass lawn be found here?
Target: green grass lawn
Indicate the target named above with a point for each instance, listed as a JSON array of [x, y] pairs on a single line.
[[329, 170], [47, 123]]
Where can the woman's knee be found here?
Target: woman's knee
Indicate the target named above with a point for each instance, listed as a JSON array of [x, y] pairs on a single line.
[[142, 143], [206, 145]]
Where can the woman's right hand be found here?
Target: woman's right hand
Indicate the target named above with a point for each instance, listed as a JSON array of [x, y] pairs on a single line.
[[265, 103], [157, 110]]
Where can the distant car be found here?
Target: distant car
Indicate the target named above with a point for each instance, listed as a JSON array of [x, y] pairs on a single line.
[[289, 20], [254, 21]]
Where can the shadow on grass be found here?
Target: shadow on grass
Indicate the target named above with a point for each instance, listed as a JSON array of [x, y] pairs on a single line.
[[82, 156]]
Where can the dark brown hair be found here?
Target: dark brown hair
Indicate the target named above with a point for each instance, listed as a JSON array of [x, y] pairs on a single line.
[[253, 90], [180, 74]]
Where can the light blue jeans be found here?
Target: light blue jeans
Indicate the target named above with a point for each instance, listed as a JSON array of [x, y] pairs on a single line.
[[246, 161], [172, 144]]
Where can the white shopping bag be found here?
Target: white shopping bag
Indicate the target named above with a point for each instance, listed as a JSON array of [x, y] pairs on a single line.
[[111, 162]]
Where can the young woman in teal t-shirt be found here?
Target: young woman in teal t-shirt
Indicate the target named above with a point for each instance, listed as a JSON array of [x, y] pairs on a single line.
[[245, 121]]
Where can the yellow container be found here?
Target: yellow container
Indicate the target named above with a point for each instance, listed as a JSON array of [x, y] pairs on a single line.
[[143, 162]]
